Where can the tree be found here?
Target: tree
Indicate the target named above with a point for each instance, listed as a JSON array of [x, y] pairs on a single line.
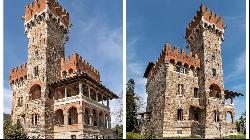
[[241, 123], [118, 131], [131, 106], [14, 131]]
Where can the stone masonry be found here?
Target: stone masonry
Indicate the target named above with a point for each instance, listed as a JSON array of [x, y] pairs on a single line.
[[186, 95], [54, 96]]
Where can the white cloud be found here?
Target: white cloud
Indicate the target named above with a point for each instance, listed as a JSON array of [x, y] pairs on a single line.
[[239, 68], [7, 100]]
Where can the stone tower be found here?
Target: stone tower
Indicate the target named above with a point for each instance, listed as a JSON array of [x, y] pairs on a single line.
[[204, 36], [46, 27], [56, 96]]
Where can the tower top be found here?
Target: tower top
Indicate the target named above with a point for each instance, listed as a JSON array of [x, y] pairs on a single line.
[[205, 17], [51, 7]]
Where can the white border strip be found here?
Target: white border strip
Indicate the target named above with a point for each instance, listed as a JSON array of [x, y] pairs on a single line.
[[247, 69], [1, 70], [124, 67]]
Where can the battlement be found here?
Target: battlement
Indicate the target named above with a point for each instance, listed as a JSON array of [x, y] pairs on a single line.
[[38, 6], [76, 63], [172, 54], [208, 19], [18, 73]]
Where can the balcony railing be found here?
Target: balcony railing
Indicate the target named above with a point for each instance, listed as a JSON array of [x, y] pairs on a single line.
[[80, 98]]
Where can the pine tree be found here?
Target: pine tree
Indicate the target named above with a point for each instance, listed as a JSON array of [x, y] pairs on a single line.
[[131, 106], [14, 131]]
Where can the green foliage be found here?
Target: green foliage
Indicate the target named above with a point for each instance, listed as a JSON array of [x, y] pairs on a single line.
[[118, 131], [240, 136], [131, 107], [131, 135], [241, 123], [14, 131], [150, 133]]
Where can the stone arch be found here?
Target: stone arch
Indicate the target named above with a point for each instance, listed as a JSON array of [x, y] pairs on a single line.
[[59, 117], [95, 118], [35, 92], [229, 117], [72, 115], [101, 119], [214, 91]]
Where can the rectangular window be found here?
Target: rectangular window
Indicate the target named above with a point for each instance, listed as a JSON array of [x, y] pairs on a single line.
[[36, 71], [180, 89], [179, 115], [35, 119], [214, 73], [20, 101], [196, 93], [196, 116], [73, 136]]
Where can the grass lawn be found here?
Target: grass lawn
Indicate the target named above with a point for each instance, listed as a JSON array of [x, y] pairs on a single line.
[[239, 136], [131, 135]]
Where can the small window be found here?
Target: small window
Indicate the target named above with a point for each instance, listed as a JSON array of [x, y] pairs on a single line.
[[36, 53], [180, 89], [20, 101], [35, 119], [216, 116], [73, 136], [36, 71], [214, 72], [178, 68], [179, 115], [196, 93], [213, 57]]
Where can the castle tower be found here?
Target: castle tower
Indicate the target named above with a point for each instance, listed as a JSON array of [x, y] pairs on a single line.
[[46, 27], [204, 36]]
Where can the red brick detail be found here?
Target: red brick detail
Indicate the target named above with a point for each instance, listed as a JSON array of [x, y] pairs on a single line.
[[39, 5], [173, 54], [77, 63], [18, 72], [208, 16]]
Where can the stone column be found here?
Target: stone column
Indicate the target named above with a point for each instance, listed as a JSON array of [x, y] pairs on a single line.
[[66, 119], [104, 120], [80, 120], [80, 88], [89, 92], [109, 122], [65, 92], [108, 102], [90, 119], [102, 99], [96, 96]]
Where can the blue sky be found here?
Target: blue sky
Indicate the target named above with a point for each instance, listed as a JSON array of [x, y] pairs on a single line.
[[96, 35], [151, 23]]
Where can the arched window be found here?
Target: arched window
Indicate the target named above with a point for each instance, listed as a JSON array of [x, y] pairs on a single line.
[[86, 116], [101, 119], [73, 116], [179, 114], [59, 117], [35, 119], [216, 116], [94, 118], [70, 71], [35, 92], [214, 91], [178, 67], [185, 69]]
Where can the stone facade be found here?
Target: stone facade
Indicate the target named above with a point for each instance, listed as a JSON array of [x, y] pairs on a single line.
[[186, 90], [54, 96]]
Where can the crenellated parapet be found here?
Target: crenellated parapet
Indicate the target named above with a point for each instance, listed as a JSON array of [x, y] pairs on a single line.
[[205, 19], [18, 73], [45, 9], [172, 54], [75, 64]]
